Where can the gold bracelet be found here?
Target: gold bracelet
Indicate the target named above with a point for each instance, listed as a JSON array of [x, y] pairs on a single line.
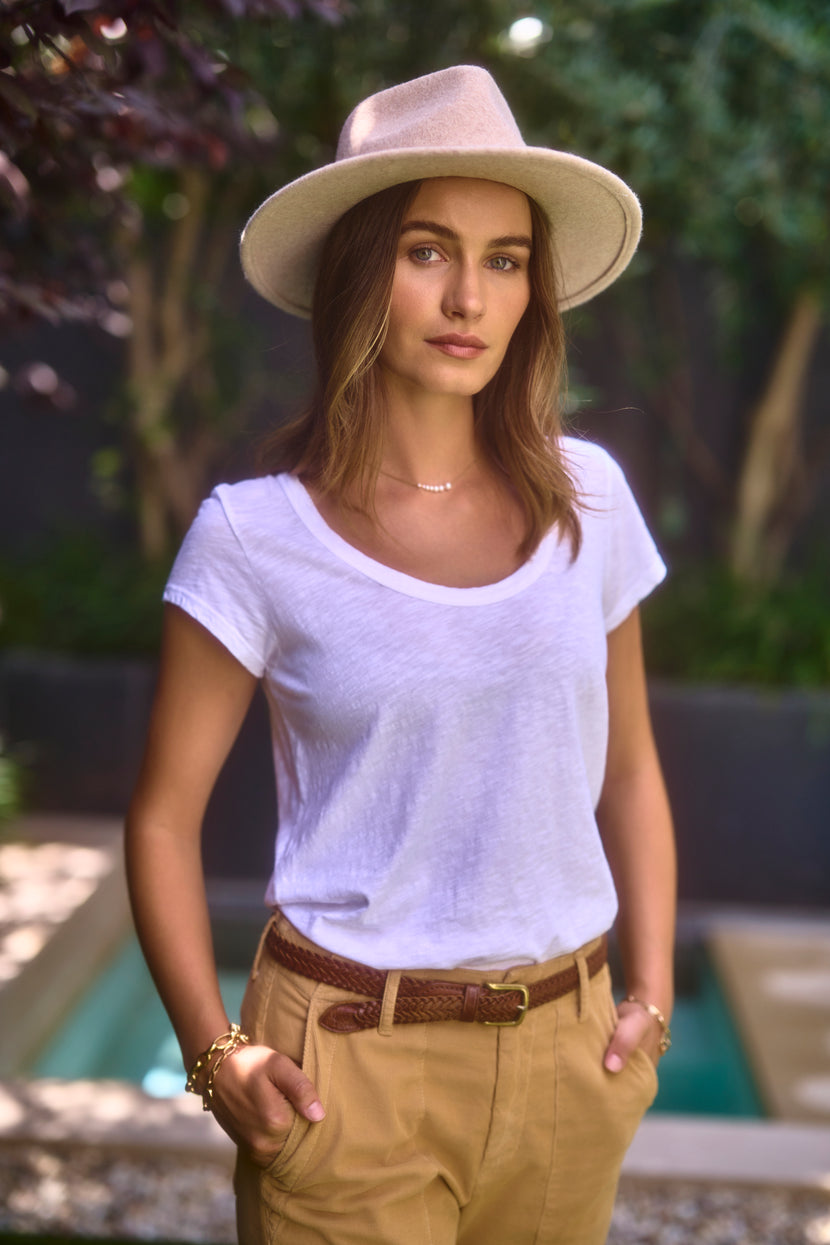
[[221, 1048], [665, 1035]]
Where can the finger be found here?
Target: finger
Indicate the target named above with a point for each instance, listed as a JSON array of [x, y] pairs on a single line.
[[615, 1059], [291, 1081]]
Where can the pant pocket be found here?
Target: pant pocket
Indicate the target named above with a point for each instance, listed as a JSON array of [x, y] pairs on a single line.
[[644, 1064], [316, 1058], [614, 1101], [281, 1010]]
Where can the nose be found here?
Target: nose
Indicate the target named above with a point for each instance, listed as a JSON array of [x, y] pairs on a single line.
[[464, 293]]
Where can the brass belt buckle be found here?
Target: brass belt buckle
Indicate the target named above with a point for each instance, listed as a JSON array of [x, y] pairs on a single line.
[[522, 1007]]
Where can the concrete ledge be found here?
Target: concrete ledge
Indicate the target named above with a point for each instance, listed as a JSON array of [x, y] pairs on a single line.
[[72, 933], [111, 1114], [767, 1152]]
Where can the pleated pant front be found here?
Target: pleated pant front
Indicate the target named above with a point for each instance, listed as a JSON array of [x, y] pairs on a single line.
[[444, 1133]]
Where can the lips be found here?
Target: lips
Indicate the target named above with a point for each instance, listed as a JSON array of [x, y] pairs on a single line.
[[458, 345]]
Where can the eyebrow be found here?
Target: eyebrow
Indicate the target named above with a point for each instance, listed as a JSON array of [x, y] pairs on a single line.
[[443, 231]]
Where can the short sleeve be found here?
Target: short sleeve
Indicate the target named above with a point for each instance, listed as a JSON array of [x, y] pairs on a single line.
[[212, 581], [632, 566]]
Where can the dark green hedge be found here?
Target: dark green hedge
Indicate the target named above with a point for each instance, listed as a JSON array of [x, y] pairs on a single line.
[[81, 594], [704, 626]]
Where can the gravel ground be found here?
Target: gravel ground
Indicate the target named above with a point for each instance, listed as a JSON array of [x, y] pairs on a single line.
[[88, 1192], [91, 1193], [676, 1213]]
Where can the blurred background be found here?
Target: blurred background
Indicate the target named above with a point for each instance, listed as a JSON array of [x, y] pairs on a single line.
[[136, 370]]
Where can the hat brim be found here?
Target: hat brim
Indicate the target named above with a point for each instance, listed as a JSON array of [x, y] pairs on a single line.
[[594, 216]]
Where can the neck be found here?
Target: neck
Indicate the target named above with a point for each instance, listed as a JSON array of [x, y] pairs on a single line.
[[432, 444]]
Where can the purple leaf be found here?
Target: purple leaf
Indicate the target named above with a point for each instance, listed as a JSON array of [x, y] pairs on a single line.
[[78, 6]]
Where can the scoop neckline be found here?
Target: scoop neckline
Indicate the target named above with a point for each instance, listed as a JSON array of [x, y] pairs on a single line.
[[443, 594]]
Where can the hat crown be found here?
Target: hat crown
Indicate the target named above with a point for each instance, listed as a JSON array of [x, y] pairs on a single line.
[[456, 109]]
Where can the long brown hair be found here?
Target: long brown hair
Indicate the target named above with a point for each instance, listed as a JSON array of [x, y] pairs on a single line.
[[336, 442]]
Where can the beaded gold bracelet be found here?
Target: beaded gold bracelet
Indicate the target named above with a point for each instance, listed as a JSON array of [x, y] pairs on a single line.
[[218, 1052], [665, 1034]]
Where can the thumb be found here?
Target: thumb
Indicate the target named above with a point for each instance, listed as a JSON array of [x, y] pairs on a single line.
[[293, 1083], [626, 1036], [615, 1057]]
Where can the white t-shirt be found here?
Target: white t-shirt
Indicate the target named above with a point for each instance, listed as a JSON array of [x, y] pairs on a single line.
[[439, 752]]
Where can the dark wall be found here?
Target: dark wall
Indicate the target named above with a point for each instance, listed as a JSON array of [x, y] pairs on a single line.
[[78, 728], [748, 775], [46, 450]]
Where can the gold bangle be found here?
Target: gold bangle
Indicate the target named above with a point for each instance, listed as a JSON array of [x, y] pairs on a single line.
[[665, 1035], [218, 1051]]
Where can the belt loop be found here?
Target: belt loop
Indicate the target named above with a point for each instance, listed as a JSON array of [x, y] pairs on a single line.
[[390, 998], [272, 920], [583, 990]]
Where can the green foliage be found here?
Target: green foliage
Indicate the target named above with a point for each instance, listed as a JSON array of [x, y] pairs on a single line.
[[378, 43], [11, 787], [717, 111], [81, 595], [705, 626]]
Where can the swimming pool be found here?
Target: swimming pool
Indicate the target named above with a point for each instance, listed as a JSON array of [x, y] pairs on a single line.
[[119, 1029]]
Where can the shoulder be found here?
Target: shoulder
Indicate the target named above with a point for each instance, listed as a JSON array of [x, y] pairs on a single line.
[[604, 496], [586, 457], [592, 469], [250, 494], [246, 506], [239, 519]]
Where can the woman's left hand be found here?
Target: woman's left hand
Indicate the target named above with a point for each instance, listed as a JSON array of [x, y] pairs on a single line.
[[635, 1027]]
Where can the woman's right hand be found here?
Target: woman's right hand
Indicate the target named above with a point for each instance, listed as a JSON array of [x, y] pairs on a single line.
[[256, 1094]]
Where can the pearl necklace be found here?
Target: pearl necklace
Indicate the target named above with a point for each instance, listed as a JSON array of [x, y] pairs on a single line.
[[434, 488], [430, 488]]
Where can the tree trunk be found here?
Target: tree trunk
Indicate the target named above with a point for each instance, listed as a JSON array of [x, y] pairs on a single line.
[[773, 461], [170, 360], [166, 345]]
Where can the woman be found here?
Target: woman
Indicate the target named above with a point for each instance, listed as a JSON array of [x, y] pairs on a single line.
[[439, 592]]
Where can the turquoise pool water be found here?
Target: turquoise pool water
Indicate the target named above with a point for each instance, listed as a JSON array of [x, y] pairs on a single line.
[[120, 1030]]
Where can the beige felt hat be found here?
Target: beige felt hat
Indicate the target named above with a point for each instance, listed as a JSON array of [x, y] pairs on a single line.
[[454, 123]]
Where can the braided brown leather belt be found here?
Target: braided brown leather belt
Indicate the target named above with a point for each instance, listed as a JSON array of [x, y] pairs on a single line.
[[420, 1000]]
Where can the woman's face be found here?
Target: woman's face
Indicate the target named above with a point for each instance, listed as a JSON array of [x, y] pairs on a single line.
[[460, 288]]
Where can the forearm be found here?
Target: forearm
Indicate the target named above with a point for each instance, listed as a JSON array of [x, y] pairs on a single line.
[[167, 893], [202, 696], [636, 826]]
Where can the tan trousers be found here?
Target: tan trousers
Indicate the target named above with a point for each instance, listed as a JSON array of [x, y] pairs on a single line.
[[444, 1133]]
